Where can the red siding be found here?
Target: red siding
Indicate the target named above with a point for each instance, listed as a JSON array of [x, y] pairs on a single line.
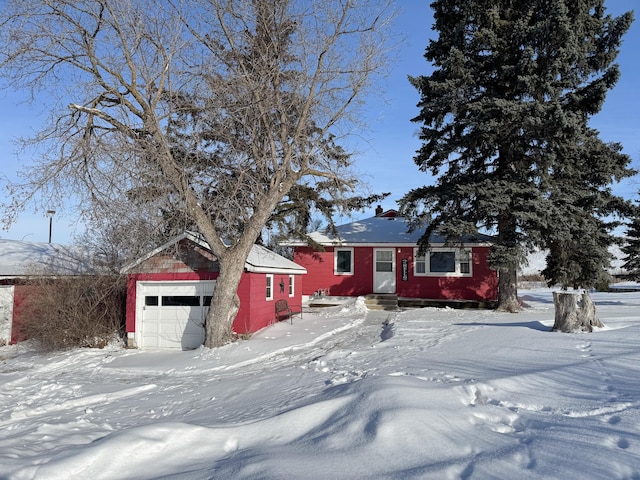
[[256, 311], [482, 286], [320, 274], [21, 293], [242, 322]]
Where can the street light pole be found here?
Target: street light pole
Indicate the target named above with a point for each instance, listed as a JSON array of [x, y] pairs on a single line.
[[51, 213]]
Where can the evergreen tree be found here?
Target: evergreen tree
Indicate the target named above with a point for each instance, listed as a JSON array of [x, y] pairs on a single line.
[[504, 124], [632, 249]]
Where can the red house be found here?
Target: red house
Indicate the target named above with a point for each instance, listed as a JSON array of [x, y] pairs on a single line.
[[377, 255], [169, 292]]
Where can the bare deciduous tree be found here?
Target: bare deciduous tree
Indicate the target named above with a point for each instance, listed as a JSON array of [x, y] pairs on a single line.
[[218, 107]]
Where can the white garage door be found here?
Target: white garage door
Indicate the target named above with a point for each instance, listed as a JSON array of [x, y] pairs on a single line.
[[173, 314]]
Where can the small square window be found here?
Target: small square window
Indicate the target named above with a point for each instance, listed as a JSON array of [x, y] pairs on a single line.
[[343, 261], [151, 301]]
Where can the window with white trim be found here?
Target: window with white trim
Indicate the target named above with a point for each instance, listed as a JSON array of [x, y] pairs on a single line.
[[443, 262], [269, 290], [291, 285], [343, 261]]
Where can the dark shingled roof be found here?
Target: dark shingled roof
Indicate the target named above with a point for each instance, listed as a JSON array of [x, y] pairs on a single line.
[[385, 229]]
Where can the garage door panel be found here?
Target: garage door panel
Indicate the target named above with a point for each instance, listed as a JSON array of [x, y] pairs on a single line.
[[179, 289], [180, 327]]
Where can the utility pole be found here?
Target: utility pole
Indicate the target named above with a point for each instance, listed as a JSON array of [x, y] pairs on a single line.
[[50, 213]]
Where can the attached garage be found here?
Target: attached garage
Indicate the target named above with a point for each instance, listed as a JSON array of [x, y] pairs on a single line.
[[173, 313], [169, 293]]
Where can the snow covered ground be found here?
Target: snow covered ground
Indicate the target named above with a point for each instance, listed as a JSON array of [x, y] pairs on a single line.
[[344, 393]]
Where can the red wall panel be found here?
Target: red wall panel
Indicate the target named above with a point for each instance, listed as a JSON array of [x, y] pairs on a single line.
[[256, 311], [320, 274], [21, 294]]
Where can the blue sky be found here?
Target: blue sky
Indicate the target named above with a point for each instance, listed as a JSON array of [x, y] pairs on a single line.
[[386, 150]]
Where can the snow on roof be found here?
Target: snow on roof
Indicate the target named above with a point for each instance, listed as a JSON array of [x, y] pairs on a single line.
[[260, 259], [383, 230], [263, 260], [19, 258]]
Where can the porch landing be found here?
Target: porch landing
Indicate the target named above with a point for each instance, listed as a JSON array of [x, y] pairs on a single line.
[[437, 302], [393, 302]]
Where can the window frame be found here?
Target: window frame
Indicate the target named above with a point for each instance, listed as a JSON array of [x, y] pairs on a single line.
[[335, 260], [269, 286], [462, 256], [292, 290]]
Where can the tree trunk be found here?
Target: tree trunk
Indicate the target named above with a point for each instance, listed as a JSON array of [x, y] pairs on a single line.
[[507, 250], [508, 291], [574, 312], [225, 302]]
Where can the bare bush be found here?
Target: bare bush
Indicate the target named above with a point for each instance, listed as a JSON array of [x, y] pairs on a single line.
[[531, 277], [63, 313]]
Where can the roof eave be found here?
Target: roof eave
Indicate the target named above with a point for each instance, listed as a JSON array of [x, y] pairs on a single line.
[[276, 270], [393, 244]]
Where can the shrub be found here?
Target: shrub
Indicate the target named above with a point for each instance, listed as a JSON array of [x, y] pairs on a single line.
[[69, 312], [531, 277]]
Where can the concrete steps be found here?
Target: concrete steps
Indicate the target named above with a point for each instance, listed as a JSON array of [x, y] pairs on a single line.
[[381, 301]]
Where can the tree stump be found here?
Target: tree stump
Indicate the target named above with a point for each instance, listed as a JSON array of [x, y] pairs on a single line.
[[575, 312]]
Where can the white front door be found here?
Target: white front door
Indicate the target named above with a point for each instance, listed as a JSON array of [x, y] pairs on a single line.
[[384, 270]]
